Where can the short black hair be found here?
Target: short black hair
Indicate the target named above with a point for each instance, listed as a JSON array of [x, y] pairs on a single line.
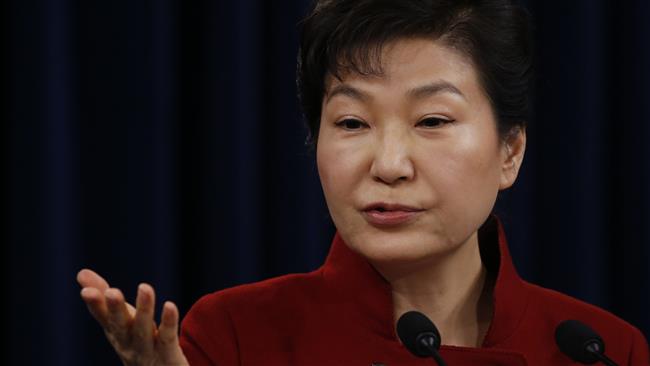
[[348, 35]]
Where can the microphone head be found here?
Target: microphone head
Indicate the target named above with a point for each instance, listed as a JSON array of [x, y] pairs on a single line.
[[578, 341], [418, 333]]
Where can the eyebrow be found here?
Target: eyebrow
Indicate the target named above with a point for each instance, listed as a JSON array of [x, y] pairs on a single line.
[[433, 88], [349, 91], [419, 92]]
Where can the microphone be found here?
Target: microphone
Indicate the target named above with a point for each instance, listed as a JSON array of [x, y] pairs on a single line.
[[581, 343], [419, 335]]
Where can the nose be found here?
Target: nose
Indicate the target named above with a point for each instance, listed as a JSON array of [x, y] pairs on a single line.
[[392, 161]]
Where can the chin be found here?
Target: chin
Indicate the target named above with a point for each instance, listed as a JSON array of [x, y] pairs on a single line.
[[396, 246]]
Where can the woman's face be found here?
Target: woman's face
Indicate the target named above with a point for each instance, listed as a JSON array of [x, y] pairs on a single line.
[[410, 161]]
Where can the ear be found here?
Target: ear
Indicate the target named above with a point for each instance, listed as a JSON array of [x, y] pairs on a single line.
[[512, 154]]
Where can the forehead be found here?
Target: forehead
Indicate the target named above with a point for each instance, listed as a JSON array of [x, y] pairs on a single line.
[[408, 64]]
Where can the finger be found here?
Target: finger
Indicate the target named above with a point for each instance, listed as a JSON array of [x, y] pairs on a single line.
[[88, 278], [119, 319], [168, 330], [96, 304], [167, 345], [143, 324]]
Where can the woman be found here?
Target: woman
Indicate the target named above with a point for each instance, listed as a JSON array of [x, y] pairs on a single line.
[[418, 110]]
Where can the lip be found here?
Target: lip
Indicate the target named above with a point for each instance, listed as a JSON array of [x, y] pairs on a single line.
[[390, 207], [392, 214]]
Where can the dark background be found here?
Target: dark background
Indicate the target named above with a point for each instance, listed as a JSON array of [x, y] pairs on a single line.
[[161, 141]]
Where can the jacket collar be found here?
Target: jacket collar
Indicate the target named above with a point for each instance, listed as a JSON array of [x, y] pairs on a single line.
[[361, 286]]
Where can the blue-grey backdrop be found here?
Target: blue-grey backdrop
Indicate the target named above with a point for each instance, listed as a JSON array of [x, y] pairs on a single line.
[[161, 141]]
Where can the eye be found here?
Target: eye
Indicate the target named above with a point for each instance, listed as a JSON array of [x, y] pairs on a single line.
[[351, 124], [433, 122]]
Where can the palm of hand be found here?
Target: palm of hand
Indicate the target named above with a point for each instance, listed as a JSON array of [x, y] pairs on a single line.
[[131, 330]]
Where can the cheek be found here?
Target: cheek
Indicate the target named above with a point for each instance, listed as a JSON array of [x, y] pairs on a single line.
[[477, 153], [340, 167], [339, 170], [478, 162], [465, 172]]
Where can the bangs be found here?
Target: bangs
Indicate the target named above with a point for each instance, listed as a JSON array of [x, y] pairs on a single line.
[[340, 37], [363, 29]]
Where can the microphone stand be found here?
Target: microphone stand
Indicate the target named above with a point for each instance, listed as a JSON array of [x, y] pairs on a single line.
[[594, 350], [435, 354], [438, 359]]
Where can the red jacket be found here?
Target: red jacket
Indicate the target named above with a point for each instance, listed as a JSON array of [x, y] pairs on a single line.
[[342, 314]]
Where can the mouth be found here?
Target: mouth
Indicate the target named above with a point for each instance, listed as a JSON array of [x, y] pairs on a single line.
[[383, 214], [387, 207]]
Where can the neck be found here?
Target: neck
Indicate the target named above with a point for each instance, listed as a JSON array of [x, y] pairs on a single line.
[[453, 290]]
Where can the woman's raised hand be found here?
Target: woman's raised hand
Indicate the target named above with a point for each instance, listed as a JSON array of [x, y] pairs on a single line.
[[132, 330]]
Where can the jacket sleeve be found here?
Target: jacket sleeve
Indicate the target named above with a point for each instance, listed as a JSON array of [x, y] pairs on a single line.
[[207, 334], [639, 354]]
